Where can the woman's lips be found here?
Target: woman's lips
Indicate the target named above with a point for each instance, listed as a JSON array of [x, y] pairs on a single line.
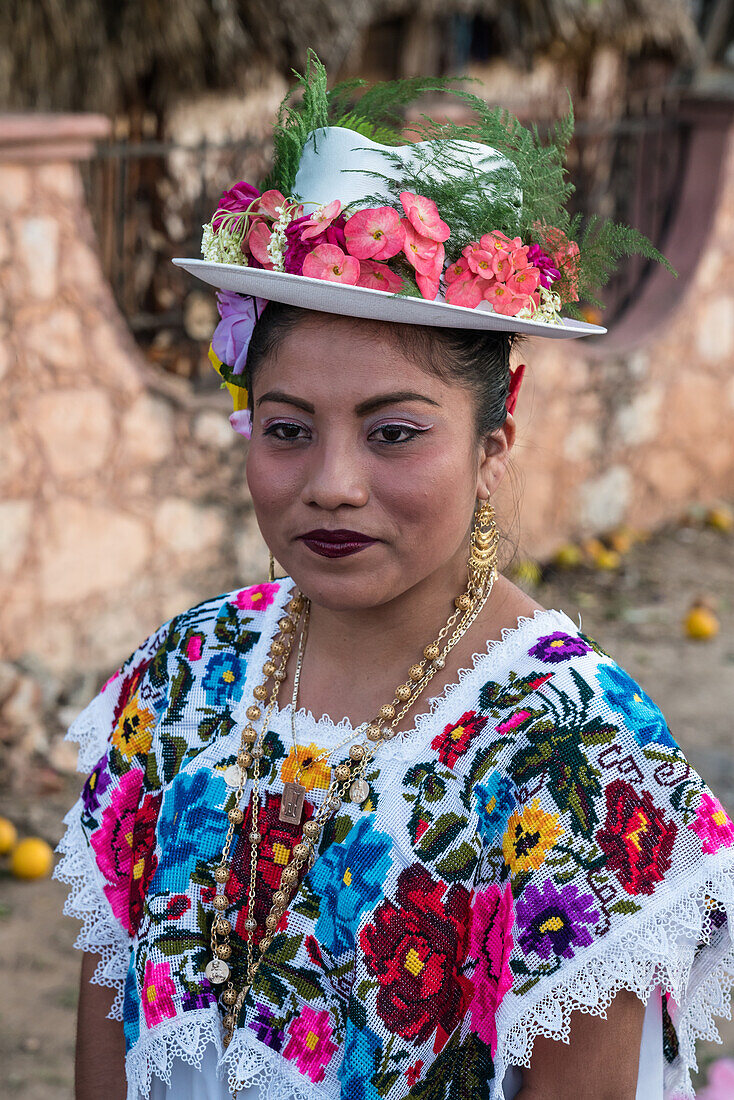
[[336, 544]]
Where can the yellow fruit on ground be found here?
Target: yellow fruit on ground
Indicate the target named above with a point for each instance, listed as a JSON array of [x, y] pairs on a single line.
[[567, 556], [700, 622], [721, 518], [593, 547], [8, 836], [31, 858], [607, 559], [621, 540]]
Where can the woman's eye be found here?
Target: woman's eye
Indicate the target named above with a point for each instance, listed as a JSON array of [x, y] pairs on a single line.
[[394, 433], [284, 429]]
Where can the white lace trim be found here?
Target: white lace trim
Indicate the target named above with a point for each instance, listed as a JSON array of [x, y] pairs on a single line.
[[512, 643], [249, 1062], [185, 1037], [91, 729], [100, 934], [657, 949]]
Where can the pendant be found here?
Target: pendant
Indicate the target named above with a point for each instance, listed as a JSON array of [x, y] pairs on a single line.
[[291, 803], [359, 790], [232, 776], [216, 971]]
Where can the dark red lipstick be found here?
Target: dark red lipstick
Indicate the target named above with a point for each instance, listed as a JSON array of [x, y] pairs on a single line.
[[336, 544]]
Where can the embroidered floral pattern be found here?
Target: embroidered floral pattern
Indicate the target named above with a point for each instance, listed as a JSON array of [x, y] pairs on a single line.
[[310, 1044], [491, 945], [528, 837], [457, 737], [636, 838], [644, 718], [554, 921], [713, 824]]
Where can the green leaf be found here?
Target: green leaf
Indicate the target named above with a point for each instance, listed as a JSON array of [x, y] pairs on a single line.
[[624, 906], [459, 864], [437, 839], [285, 948]]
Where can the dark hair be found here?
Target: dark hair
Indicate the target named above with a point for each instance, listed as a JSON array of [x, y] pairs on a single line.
[[478, 360]]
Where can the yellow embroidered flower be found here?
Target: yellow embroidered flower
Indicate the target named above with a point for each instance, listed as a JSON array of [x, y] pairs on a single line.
[[528, 837], [314, 773], [134, 730]]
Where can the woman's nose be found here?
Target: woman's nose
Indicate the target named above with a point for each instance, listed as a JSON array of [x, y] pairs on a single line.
[[337, 476]]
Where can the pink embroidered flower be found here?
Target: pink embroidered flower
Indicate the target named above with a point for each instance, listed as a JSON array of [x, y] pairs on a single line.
[[374, 234], [466, 291], [320, 220], [720, 1083], [232, 335], [113, 844], [258, 240], [309, 1043], [713, 825], [195, 647], [327, 261], [424, 217], [493, 918], [515, 719], [242, 197], [256, 598], [503, 300], [379, 277], [158, 991], [425, 255]]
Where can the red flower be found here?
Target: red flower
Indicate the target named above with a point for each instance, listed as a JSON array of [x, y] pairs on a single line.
[[144, 858], [456, 739], [177, 906], [636, 838], [273, 854], [413, 1073], [416, 949], [130, 685]]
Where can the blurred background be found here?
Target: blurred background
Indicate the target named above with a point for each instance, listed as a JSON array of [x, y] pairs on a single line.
[[122, 490]]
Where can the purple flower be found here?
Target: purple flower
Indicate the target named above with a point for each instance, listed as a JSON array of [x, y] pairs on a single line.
[[538, 258], [558, 646], [265, 1030], [297, 249], [232, 335], [192, 1001], [97, 783], [238, 197], [555, 922]]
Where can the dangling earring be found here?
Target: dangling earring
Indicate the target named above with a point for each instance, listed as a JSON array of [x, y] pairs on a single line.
[[483, 545], [271, 567]]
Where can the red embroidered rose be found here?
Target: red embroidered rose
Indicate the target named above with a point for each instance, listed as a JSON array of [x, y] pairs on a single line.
[[177, 906], [144, 858], [416, 947], [636, 838], [455, 740]]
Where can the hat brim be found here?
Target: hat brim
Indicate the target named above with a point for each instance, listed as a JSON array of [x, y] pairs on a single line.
[[358, 301]]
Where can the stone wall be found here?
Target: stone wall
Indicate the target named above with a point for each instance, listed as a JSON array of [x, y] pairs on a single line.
[[122, 492]]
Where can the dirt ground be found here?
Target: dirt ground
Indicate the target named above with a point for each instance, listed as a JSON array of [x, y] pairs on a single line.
[[634, 613]]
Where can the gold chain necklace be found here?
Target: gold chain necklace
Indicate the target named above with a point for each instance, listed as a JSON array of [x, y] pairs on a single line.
[[349, 777]]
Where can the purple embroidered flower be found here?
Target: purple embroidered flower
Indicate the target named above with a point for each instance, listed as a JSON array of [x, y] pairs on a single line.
[[266, 1031], [554, 921], [540, 259], [192, 1001], [232, 335], [297, 249], [559, 646], [97, 783]]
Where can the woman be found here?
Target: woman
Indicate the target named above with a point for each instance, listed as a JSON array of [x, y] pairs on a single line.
[[420, 892]]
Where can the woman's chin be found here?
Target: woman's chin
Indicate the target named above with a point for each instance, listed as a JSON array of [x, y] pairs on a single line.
[[348, 583]]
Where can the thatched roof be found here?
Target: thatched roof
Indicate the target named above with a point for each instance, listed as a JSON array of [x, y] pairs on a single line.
[[110, 55]]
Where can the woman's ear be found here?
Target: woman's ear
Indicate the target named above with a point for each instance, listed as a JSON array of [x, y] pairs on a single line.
[[494, 454]]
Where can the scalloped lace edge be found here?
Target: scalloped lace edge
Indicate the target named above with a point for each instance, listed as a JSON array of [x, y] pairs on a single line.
[[639, 959], [512, 641], [100, 933], [90, 729]]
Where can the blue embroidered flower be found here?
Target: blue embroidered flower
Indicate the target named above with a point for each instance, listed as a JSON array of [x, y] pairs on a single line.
[[643, 716], [131, 1007], [224, 675], [362, 1054], [495, 802], [349, 878], [191, 827]]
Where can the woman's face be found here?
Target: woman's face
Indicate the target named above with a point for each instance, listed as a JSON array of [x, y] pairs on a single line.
[[363, 468]]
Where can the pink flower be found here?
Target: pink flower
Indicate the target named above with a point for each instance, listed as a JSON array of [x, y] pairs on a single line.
[[157, 994], [320, 220], [491, 944], [241, 197], [257, 241], [327, 261], [309, 1043], [720, 1084], [240, 421], [503, 300], [113, 844], [519, 258], [566, 257], [544, 264], [269, 203], [456, 270], [232, 335], [514, 719], [424, 254], [256, 598], [379, 277], [497, 241], [374, 234], [297, 248], [481, 262], [468, 291], [524, 282], [428, 285], [713, 825], [195, 647], [502, 266], [424, 217]]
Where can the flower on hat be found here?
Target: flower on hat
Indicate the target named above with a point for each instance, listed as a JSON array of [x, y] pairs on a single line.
[[258, 240], [327, 261], [424, 254], [374, 234], [298, 245], [379, 277], [242, 197], [320, 220], [467, 290], [423, 215], [232, 335]]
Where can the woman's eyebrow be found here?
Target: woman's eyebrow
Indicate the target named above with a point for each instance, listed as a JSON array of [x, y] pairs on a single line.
[[286, 399], [392, 399]]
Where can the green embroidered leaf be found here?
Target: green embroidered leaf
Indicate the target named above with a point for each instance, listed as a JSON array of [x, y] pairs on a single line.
[[267, 982], [460, 1070], [624, 906], [459, 864], [419, 821], [586, 692], [305, 983], [179, 691], [437, 839], [152, 779], [363, 989], [520, 881], [383, 1082], [285, 948], [173, 750], [307, 903]]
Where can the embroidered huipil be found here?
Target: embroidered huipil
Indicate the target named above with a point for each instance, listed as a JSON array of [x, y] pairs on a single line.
[[537, 842]]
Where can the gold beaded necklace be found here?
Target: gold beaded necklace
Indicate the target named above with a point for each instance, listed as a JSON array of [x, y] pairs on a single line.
[[349, 777]]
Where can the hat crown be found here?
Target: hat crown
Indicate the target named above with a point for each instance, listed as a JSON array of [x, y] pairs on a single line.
[[339, 163]]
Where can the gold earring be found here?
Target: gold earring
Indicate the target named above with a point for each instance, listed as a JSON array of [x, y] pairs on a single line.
[[483, 544], [271, 566]]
